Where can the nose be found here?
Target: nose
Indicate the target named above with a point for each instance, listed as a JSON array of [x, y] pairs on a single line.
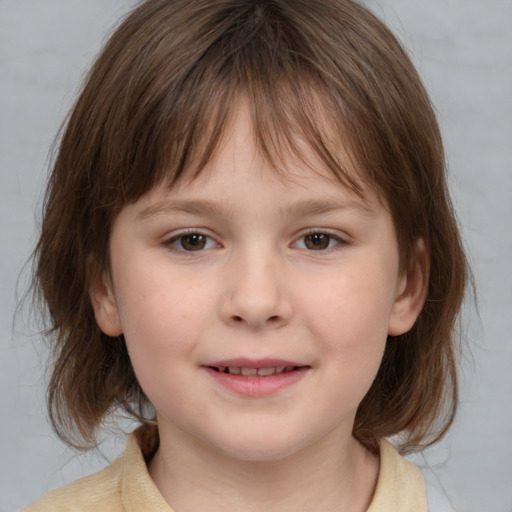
[[256, 293]]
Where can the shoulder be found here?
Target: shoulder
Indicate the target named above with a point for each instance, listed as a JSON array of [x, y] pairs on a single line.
[[100, 491], [400, 485], [419, 487], [125, 483], [403, 487]]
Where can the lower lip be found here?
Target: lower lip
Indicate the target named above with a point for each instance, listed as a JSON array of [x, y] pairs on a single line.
[[256, 386]]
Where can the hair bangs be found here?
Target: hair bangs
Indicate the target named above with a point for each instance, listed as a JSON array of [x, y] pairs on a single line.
[[292, 109]]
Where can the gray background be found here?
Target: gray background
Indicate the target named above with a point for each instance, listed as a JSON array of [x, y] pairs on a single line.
[[463, 49]]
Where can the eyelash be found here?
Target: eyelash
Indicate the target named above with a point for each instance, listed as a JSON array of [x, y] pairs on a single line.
[[329, 236], [176, 241]]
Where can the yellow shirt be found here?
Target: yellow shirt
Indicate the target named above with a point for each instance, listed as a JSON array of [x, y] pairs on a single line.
[[125, 485]]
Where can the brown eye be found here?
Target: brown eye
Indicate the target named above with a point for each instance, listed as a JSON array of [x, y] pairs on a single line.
[[192, 242], [317, 241]]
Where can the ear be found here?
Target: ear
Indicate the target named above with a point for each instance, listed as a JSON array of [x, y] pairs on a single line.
[[104, 306], [411, 292]]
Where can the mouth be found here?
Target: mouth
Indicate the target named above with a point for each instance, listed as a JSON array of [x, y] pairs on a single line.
[[256, 378], [267, 371]]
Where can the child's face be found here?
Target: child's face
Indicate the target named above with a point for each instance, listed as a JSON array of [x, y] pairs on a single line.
[[296, 280]]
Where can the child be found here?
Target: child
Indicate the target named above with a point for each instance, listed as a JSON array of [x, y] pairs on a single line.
[[248, 244]]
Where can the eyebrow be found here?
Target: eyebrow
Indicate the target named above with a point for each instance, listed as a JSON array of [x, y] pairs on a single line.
[[194, 207], [311, 207], [303, 208]]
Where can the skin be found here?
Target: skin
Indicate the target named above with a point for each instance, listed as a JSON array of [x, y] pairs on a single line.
[[294, 269]]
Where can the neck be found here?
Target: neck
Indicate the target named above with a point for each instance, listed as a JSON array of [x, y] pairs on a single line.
[[318, 478]]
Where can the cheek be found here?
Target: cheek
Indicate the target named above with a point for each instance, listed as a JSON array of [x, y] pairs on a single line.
[[161, 343], [353, 344], [350, 322], [352, 308], [161, 324]]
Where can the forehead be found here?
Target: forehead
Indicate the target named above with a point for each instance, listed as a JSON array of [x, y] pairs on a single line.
[[321, 160], [239, 166]]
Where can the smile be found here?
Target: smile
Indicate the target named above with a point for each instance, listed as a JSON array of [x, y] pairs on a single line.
[[261, 372], [256, 378]]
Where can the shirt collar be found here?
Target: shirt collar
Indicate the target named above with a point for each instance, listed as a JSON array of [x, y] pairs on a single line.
[[400, 486]]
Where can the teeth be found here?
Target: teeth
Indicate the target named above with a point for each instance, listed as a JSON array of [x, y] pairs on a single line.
[[248, 371], [262, 372]]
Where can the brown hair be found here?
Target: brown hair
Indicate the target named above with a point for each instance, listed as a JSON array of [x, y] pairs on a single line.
[[157, 99]]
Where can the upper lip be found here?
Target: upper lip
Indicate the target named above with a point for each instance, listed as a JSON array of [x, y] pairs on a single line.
[[242, 362]]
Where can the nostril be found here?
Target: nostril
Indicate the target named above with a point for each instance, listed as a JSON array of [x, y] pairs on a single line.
[[271, 319]]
